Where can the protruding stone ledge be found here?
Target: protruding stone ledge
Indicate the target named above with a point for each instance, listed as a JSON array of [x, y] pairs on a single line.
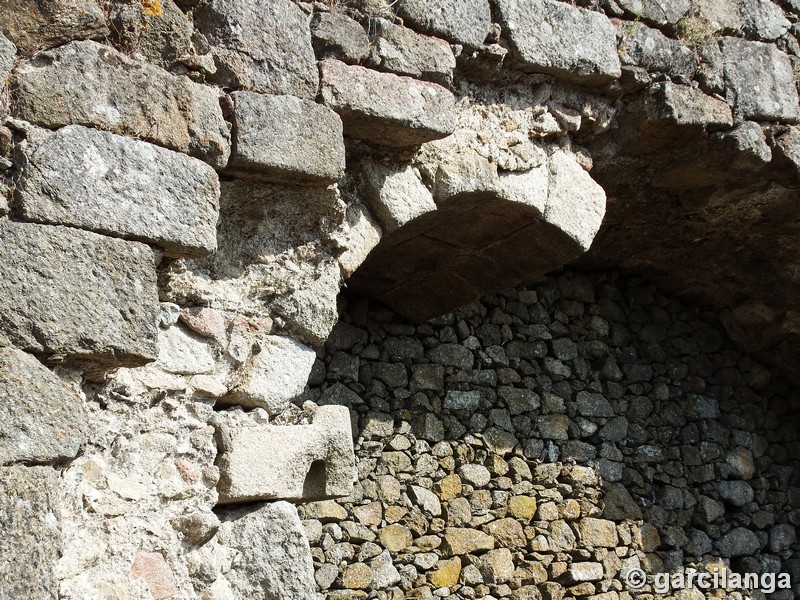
[[295, 462], [121, 187], [40, 420], [567, 41], [387, 109], [77, 294], [86, 83], [284, 138]]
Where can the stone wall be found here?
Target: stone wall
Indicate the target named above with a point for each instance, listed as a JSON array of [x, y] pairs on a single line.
[[187, 185]]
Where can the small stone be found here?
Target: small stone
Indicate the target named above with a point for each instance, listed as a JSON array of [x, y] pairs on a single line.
[[585, 571], [326, 511], [553, 427], [395, 537], [468, 401], [395, 195], [338, 36], [737, 493], [207, 322], [593, 405], [369, 514], [458, 541], [403, 51], [426, 500], [446, 574], [182, 353], [384, 573], [156, 573], [476, 475], [619, 505], [356, 576], [739, 541], [522, 508], [782, 537], [597, 533], [507, 532], [496, 566], [460, 21]]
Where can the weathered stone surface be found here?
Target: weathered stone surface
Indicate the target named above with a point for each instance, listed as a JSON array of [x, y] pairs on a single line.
[[659, 12], [8, 52], [40, 419], [400, 50], [284, 138], [759, 83], [461, 21], [496, 566], [290, 462], [274, 258], [160, 31], [395, 195], [275, 375], [384, 108], [121, 187], [30, 522], [567, 41], [273, 558], [645, 47], [585, 571], [262, 47], [76, 293], [763, 19], [86, 83], [39, 24], [458, 541], [739, 541], [183, 353], [338, 36], [156, 573], [358, 236]]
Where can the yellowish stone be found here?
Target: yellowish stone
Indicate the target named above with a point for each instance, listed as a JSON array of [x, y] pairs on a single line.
[[522, 507], [357, 576], [447, 573], [395, 537], [449, 487]]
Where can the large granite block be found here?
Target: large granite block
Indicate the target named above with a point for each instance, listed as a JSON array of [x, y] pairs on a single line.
[[121, 187], [30, 539], [37, 24], [40, 419], [460, 21], [567, 41], [76, 293], [286, 138], [260, 46], [387, 109], [86, 83]]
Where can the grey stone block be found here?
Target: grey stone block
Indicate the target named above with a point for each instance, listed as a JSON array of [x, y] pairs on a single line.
[[273, 555], [658, 12], [461, 21], [162, 36], [670, 104], [30, 539], [554, 37], [338, 36], [387, 109], [76, 293], [759, 83], [260, 46], [8, 52], [86, 83], [400, 50], [286, 138], [121, 187], [38, 24], [645, 47], [395, 196], [292, 462], [40, 419]]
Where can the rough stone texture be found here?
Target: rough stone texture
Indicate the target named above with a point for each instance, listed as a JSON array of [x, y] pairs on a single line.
[[759, 83], [396, 196], [121, 187], [400, 50], [274, 258], [29, 532], [645, 47], [8, 53], [292, 462], [284, 138], [159, 31], [659, 12], [275, 375], [554, 37], [86, 83], [273, 559], [338, 36], [39, 24], [262, 47], [384, 108], [460, 21], [681, 105], [42, 421], [75, 293]]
